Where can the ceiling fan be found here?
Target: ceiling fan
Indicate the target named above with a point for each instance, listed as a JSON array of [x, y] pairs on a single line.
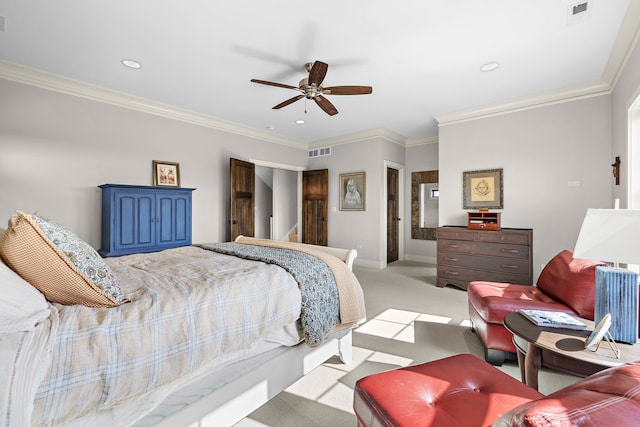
[[311, 88]]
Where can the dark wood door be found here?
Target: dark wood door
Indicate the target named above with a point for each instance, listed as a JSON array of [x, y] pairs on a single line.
[[393, 220], [315, 206], [241, 218]]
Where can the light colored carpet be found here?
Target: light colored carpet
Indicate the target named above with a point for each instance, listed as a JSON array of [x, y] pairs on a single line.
[[410, 321]]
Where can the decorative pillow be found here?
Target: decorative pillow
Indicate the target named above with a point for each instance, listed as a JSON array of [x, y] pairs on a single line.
[[58, 263], [571, 281]]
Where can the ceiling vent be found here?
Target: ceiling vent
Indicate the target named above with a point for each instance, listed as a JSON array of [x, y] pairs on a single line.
[[578, 12], [319, 152]]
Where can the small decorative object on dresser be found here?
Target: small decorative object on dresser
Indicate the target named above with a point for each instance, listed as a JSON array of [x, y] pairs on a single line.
[[483, 220], [465, 255]]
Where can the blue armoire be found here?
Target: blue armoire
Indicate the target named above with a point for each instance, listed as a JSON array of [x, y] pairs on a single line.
[[139, 219]]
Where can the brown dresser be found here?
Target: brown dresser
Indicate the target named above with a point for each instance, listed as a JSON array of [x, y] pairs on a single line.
[[466, 255]]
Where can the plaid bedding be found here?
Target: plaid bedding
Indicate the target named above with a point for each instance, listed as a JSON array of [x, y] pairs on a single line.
[[189, 306], [320, 300]]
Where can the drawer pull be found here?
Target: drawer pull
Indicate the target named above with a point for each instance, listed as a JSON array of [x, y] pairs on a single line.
[[451, 245], [452, 273], [511, 251], [513, 267], [450, 259]]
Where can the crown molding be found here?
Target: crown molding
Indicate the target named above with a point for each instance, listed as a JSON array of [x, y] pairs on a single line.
[[361, 136], [57, 83], [626, 41], [571, 93], [413, 142]]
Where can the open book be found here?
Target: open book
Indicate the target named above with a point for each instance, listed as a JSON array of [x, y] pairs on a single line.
[[553, 319]]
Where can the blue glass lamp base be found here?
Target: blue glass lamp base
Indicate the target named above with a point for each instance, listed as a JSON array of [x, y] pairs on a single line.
[[617, 293]]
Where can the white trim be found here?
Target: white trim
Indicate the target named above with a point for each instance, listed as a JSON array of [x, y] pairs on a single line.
[[581, 91], [50, 81], [628, 37], [361, 136], [274, 165]]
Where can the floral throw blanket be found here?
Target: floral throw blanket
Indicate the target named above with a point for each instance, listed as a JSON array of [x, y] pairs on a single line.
[[320, 300]]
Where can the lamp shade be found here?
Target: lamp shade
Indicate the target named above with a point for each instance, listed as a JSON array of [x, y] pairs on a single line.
[[610, 235]]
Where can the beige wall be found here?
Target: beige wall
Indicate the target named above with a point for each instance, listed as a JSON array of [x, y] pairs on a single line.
[[540, 151]]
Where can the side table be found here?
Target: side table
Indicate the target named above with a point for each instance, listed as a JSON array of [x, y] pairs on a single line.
[[561, 349]]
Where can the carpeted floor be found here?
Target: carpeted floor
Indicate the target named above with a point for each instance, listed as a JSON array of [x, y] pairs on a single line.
[[410, 321]]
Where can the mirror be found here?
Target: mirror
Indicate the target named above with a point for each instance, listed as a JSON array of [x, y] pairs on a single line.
[[424, 205]]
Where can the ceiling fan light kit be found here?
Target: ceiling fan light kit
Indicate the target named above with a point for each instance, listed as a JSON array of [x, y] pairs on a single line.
[[311, 88]]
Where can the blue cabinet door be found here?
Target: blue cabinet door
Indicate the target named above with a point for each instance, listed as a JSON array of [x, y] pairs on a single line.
[[173, 220], [134, 220]]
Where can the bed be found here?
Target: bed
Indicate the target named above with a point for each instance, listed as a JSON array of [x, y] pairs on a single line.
[[202, 333]]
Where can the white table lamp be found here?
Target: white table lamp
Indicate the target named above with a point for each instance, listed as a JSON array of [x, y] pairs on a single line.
[[613, 236]]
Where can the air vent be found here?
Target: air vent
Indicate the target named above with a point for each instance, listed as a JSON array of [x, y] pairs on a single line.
[[320, 152], [579, 8], [578, 12]]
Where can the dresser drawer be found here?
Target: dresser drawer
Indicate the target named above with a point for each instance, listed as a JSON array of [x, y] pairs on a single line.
[[483, 248], [465, 275], [480, 262]]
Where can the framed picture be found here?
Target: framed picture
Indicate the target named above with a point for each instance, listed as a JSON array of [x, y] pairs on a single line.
[[166, 174], [352, 191], [482, 189]]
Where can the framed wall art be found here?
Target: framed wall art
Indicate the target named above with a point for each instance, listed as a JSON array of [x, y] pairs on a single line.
[[166, 174], [482, 189], [352, 191]]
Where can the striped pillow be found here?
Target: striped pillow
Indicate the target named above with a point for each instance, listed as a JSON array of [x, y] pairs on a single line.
[[58, 263]]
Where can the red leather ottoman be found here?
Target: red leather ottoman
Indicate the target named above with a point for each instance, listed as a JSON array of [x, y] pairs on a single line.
[[460, 391]]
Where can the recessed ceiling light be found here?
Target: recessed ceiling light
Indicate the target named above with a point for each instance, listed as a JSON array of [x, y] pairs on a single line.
[[489, 66], [270, 127], [130, 63], [300, 122]]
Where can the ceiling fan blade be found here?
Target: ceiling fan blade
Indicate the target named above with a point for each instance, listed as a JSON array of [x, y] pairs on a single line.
[[317, 73], [327, 106], [348, 90], [287, 102], [264, 82]]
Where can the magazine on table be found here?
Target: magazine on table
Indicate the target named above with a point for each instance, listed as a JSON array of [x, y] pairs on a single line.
[[553, 319]]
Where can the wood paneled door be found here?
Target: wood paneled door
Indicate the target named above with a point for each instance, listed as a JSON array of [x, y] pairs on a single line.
[[242, 215], [315, 206], [393, 219]]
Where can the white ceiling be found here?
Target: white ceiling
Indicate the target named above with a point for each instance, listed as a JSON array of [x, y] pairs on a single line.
[[422, 57]]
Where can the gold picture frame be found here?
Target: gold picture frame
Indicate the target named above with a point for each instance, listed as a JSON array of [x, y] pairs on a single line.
[[482, 189], [352, 191], [166, 174]]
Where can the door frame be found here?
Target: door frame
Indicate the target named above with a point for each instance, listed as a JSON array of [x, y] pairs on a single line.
[[383, 212], [299, 170]]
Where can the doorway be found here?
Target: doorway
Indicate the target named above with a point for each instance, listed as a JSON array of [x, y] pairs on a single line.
[[396, 216]]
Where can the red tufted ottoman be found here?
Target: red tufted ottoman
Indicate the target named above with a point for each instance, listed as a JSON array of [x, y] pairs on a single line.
[[458, 391], [464, 391]]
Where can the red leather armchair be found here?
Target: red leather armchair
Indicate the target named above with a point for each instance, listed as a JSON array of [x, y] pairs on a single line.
[[565, 284]]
